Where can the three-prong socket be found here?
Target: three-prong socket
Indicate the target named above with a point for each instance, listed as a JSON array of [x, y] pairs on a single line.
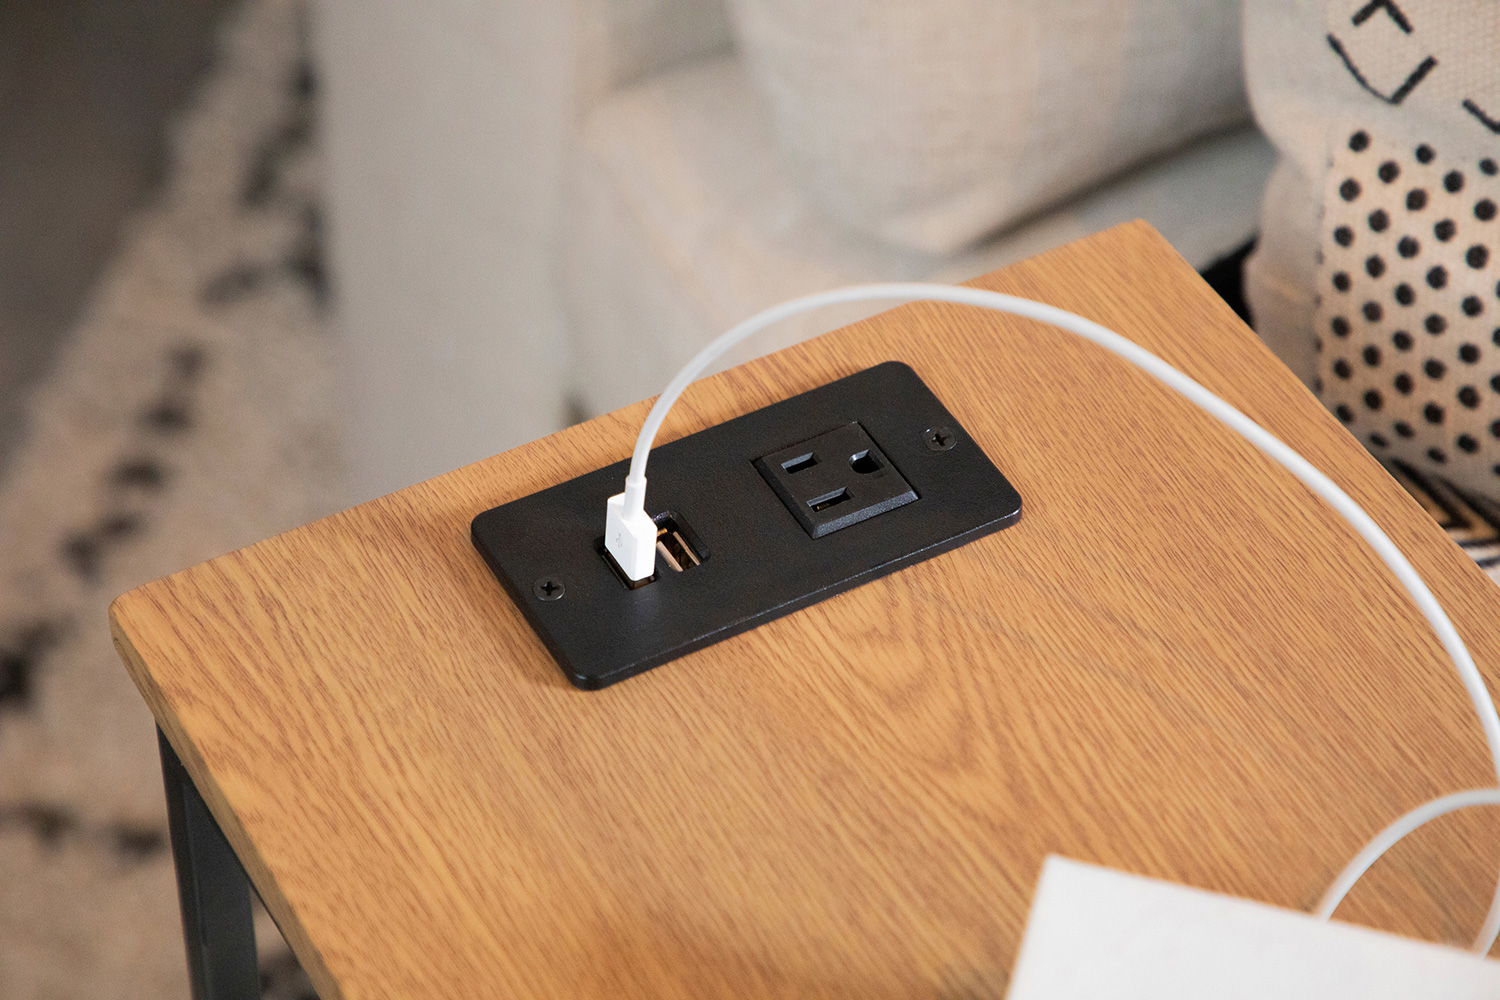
[[836, 479]]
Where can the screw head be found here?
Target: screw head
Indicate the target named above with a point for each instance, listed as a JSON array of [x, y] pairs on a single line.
[[939, 438], [548, 588]]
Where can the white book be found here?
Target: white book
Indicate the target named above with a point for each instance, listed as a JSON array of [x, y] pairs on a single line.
[[1099, 934]]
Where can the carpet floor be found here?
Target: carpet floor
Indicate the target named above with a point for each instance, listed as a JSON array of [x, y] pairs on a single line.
[[192, 410]]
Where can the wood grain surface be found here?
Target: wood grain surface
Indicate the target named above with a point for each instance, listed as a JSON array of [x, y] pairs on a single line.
[[1179, 663]]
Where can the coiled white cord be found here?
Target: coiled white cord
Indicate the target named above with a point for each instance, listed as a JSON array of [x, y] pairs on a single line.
[[631, 538]]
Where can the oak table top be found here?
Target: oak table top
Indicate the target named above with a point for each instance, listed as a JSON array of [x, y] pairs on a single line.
[[1178, 663]]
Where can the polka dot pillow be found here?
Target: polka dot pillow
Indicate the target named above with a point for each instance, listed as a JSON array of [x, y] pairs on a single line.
[[1377, 277], [1407, 314]]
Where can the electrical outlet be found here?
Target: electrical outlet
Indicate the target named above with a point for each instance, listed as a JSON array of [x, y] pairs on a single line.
[[834, 480], [729, 558]]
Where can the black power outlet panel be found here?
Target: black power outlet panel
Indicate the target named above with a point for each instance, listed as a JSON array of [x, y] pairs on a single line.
[[749, 528], [835, 480]]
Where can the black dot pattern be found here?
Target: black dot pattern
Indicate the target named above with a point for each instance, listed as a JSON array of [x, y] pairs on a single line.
[[1409, 288]]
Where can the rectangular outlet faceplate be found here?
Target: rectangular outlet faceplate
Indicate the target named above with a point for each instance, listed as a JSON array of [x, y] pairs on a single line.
[[887, 478]]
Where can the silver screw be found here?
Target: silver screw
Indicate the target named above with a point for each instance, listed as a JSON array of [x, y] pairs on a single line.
[[940, 438], [548, 588]]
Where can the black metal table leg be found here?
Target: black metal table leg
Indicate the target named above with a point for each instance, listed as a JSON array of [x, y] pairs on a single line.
[[213, 890]]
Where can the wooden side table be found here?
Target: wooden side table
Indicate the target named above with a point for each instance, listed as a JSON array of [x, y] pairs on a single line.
[[1179, 663]]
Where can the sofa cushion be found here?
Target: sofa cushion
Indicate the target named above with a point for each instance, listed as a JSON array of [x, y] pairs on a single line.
[[932, 124], [620, 42], [684, 220]]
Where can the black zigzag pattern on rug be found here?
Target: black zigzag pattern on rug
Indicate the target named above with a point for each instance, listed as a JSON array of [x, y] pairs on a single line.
[[133, 486]]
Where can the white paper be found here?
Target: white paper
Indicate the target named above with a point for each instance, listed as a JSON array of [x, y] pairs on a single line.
[[1101, 934]]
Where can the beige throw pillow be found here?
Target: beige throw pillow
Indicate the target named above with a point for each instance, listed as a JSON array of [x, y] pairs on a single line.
[[1378, 273], [931, 124]]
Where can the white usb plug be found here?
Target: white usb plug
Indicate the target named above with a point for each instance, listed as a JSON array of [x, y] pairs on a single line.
[[629, 532]]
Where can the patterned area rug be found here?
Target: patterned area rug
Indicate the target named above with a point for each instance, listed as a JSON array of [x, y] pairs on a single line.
[[192, 411]]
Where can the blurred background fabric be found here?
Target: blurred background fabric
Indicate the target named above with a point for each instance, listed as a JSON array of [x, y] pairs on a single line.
[[540, 211], [190, 407]]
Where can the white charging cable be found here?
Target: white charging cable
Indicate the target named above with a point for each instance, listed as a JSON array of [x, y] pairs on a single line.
[[1387, 838], [630, 534]]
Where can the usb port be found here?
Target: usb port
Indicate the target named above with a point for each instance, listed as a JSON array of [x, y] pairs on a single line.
[[672, 546], [677, 551]]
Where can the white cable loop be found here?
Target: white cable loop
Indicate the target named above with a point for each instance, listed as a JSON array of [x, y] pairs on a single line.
[[1143, 359], [1387, 838]]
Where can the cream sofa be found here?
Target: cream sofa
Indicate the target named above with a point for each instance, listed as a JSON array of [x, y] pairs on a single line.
[[540, 210]]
